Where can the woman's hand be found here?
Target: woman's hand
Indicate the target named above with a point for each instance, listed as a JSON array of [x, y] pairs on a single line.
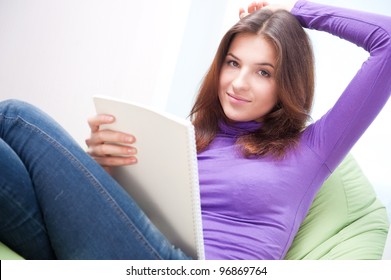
[[254, 6], [110, 148]]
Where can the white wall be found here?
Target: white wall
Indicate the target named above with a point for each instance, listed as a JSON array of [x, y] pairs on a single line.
[[58, 53]]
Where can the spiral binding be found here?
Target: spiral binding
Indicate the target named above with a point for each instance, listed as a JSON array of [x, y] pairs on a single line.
[[198, 231]]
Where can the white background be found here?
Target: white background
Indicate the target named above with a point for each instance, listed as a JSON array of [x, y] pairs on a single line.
[[57, 54]]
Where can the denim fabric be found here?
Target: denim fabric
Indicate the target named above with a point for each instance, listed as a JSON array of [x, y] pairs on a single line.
[[57, 202]]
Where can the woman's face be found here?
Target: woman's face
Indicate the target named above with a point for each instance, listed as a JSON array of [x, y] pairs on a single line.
[[247, 88]]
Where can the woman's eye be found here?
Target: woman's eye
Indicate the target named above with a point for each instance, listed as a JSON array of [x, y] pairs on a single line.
[[233, 63], [264, 73]]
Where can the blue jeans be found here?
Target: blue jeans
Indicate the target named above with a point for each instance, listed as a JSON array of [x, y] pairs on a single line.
[[57, 202]]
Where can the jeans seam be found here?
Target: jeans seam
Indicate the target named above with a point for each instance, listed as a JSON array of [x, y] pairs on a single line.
[[29, 215]]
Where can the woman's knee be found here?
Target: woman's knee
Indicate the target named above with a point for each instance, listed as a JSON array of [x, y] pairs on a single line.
[[10, 106]]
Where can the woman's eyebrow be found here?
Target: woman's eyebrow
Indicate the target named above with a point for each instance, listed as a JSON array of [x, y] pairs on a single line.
[[265, 64]]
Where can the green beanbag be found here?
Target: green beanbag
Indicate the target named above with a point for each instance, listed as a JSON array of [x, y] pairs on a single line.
[[8, 254], [346, 220]]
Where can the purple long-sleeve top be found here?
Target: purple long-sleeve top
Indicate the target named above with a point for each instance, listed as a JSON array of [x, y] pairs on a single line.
[[252, 208]]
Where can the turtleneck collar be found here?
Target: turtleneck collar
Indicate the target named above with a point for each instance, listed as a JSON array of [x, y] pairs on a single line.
[[235, 129]]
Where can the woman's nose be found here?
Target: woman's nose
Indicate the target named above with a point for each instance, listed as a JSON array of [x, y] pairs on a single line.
[[241, 83]]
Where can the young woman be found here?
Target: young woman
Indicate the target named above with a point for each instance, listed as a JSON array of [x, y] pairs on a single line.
[[260, 164]]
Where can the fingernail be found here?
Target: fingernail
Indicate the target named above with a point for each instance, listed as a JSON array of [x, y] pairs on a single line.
[[109, 118]]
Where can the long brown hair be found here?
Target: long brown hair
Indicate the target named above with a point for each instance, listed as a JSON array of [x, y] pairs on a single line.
[[281, 127]]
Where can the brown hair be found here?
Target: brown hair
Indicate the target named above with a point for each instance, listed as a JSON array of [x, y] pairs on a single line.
[[281, 127]]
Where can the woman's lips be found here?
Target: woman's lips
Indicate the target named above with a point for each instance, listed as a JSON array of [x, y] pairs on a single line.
[[237, 98]]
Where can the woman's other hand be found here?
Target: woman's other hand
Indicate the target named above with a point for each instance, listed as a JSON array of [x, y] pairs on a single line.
[[109, 148], [254, 6]]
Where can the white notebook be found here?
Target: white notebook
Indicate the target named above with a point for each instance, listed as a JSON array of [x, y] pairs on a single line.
[[164, 182]]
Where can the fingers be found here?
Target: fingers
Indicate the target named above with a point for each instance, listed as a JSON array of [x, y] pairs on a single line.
[[110, 161], [108, 147], [110, 143], [109, 154], [261, 5], [242, 13], [254, 6], [96, 121], [103, 136]]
